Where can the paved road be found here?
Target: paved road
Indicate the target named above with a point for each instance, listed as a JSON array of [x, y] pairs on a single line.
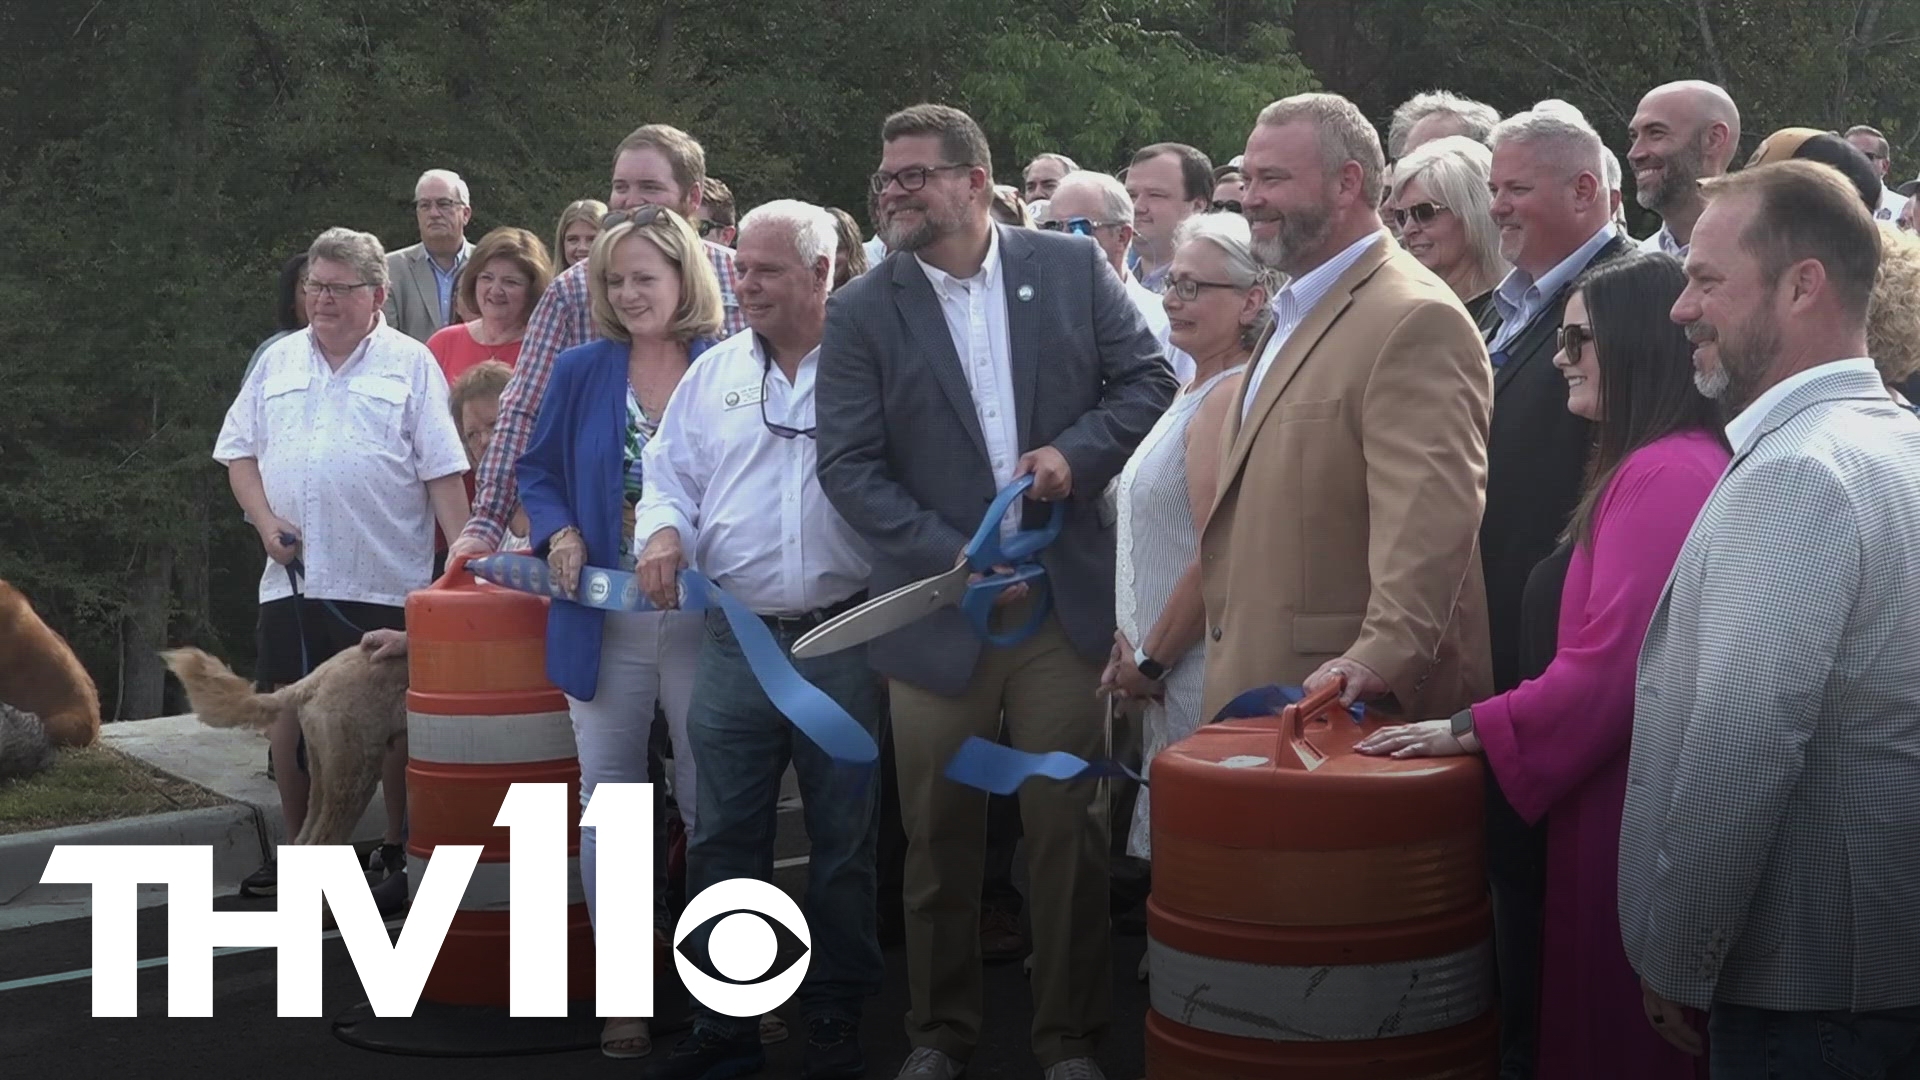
[[45, 1031]]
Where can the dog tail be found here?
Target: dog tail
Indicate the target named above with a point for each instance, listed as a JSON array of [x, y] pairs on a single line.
[[220, 698], [24, 746]]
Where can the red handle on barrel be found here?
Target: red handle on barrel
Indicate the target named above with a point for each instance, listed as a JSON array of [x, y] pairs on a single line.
[[1294, 719], [456, 575]]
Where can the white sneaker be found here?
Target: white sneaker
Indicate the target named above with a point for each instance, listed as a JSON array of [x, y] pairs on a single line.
[[1080, 1068], [927, 1063]]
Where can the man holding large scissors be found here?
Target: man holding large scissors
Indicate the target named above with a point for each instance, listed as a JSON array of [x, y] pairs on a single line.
[[972, 356]]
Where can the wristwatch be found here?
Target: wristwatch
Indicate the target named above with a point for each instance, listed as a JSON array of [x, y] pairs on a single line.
[[1463, 723], [1151, 668]]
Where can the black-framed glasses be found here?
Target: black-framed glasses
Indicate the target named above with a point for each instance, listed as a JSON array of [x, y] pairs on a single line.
[[339, 290], [1419, 213], [1230, 206], [639, 217], [704, 226], [1078, 226], [781, 431], [1187, 288], [911, 178], [1572, 338]]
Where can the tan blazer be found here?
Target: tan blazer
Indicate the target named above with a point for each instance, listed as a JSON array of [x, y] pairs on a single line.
[[413, 297], [1348, 516]]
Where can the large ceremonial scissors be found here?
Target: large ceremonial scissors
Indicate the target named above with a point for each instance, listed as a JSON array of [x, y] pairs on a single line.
[[911, 603]]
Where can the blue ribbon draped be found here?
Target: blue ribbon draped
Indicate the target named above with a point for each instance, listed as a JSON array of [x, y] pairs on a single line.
[[817, 716]]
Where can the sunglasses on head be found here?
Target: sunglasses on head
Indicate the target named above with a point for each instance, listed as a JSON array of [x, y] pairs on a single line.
[[1572, 338], [1418, 213], [1230, 206], [1079, 226], [639, 217]]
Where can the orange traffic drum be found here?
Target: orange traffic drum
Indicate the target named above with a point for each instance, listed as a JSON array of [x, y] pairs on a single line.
[[481, 717], [1317, 914]]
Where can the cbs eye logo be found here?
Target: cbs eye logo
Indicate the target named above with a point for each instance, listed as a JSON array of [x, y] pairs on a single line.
[[743, 920]]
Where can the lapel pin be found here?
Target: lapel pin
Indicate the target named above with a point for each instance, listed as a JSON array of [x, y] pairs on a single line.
[[1024, 292]]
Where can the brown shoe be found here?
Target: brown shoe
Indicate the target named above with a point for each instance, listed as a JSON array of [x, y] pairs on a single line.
[[1000, 936]]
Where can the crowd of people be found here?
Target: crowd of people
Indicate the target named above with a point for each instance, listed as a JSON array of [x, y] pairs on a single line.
[[1628, 519]]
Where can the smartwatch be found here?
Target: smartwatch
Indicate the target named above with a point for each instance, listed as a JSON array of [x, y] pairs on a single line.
[[1462, 724], [1151, 668]]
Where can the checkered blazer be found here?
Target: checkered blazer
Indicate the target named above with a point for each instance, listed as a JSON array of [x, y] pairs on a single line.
[[903, 458], [1770, 850]]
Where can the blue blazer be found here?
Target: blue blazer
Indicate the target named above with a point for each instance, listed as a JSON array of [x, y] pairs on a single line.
[[570, 474]]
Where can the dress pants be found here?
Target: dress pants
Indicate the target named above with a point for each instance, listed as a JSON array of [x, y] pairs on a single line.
[[1046, 690]]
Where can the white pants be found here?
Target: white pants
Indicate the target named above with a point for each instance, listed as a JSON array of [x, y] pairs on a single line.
[[645, 656]]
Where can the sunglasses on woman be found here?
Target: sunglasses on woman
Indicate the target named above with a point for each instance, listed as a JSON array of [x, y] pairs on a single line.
[[1572, 338], [1229, 206], [1418, 213], [639, 216], [1078, 226]]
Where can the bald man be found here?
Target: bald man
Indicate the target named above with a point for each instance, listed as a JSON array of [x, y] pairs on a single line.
[[1682, 133]]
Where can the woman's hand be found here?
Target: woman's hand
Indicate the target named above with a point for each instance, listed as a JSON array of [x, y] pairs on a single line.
[[659, 568], [1429, 738], [281, 538], [566, 555]]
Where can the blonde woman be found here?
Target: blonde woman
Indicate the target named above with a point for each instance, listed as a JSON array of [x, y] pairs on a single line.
[[1440, 204], [1893, 314], [579, 224], [656, 306]]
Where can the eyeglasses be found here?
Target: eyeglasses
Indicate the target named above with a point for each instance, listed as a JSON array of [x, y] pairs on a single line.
[[445, 206], [911, 178], [780, 431], [704, 226], [1079, 226], [1231, 206], [640, 217], [1418, 213], [337, 290], [1187, 288], [1572, 338]]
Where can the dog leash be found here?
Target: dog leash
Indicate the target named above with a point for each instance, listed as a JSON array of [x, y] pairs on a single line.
[[296, 574]]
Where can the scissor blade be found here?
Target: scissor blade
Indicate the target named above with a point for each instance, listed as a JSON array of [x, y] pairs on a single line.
[[884, 614]]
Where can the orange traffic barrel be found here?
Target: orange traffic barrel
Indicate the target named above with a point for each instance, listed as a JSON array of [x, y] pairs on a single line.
[[1317, 913], [481, 716]]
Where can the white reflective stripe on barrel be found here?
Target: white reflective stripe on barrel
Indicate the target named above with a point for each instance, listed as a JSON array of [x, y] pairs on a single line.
[[491, 885], [1320, 1003], [489, 740]]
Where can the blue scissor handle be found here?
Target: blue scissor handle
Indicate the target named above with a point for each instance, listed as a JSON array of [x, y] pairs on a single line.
[[984, 551], [977, 603]]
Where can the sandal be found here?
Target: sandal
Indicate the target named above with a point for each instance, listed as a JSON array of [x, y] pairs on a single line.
[[626, 1037], [772, 1030]]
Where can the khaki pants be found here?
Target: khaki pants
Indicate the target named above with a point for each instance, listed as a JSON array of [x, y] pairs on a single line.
[[1047, 693]]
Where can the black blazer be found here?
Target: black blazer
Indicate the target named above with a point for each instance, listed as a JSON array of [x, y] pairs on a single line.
[[1536, 460]]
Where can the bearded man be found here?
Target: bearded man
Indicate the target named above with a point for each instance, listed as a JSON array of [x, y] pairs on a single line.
[[1682, 133]]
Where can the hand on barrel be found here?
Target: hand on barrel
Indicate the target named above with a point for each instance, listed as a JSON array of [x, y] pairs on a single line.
[[471, 546], [1675, 1022], [1362, 683], [566, 555], [1429, 738], [659, 568]]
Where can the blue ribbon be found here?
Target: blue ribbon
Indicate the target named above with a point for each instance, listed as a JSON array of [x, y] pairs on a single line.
[[987, 765], [819, 717]]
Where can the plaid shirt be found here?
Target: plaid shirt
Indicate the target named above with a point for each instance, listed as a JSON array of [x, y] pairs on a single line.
[[563, 319]]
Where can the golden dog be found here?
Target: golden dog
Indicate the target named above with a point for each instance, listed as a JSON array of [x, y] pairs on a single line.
[[350, 709], [39, 674]]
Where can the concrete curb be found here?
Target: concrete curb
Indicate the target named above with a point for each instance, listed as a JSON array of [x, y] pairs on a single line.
[[236, 832]]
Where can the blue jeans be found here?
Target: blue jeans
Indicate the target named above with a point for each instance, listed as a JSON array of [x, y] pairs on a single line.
[[1760, 1044], [741, 747]]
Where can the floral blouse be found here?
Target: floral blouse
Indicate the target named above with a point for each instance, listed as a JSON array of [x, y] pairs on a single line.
[[640, 429]]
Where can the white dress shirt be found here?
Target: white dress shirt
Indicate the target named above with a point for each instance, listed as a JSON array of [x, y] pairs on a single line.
[[1891, 203], [1155, 313], [1521, 297], [1663, 241], [1290, 307], [976, 311], [345, 457], [1745, 428], [747, 502]]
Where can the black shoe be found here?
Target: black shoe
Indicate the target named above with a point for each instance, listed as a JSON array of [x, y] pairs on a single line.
[[385, 861], [262, 882], [708, 1055], [833, 1050], [390, 895]]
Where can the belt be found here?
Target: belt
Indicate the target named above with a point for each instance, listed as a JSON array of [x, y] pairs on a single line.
[[800, 624]]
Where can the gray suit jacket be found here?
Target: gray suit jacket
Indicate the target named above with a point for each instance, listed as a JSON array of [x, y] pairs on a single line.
[[413, 298], [1770, 849], [903, 459]]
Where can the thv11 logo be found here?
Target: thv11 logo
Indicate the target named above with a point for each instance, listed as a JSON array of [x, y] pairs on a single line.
[[741, 944]]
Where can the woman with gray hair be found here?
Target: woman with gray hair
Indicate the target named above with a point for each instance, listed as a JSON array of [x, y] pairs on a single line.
[[1440, 202], [1217, 303]]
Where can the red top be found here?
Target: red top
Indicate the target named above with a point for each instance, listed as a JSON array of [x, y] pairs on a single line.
[[454, 347]]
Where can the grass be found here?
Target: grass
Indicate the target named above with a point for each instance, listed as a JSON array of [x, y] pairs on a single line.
[[94, 783]]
